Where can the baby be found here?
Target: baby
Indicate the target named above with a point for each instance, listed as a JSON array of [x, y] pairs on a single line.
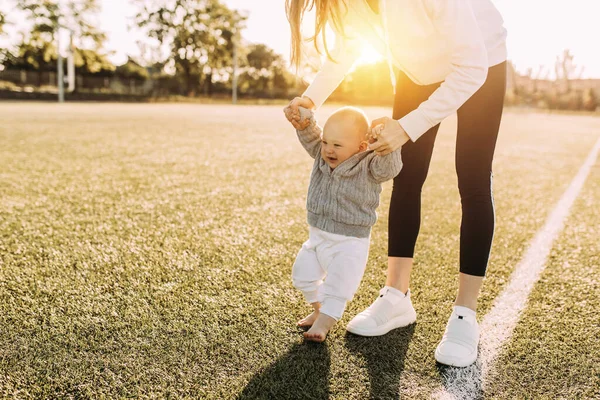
[[342, 198]]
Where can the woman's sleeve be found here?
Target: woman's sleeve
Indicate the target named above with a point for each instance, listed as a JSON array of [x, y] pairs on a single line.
[[344, 53], [456, 21]]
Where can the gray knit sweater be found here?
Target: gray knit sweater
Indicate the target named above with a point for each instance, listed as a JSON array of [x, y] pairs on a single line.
[[344, 200]]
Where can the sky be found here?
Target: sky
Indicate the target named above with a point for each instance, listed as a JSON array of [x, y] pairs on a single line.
[[538, 30]]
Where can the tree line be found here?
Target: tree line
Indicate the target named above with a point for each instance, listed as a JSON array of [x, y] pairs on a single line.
[[568, 91], [200, 36]]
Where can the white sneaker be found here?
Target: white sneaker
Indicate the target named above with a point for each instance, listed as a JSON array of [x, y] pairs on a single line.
[[392, 309], [458, 347]]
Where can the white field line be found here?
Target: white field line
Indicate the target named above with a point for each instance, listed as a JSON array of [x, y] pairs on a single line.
[[497, 326]]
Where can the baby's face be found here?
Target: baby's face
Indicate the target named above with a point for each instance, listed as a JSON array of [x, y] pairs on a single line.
[[340, 141]]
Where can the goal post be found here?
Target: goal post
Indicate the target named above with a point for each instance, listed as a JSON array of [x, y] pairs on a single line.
[[234, 80], [60, 74], [71, 66]]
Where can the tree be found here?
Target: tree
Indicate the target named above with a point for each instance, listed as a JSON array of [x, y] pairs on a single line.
[[566, 70], [34, 54], [75, 15], [78, 17], [37, 51], [283, 80], [90, 61], [260, 60], [265, 73], [5, 54], [199, 34], [131, 70], [2, 22]]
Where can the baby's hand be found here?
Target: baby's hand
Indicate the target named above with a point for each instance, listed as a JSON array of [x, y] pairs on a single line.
[[300, 118], [305, 116], [374, 133], [292, 113]]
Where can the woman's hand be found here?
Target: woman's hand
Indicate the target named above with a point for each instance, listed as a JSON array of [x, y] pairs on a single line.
[[389, 138], [293, 114]]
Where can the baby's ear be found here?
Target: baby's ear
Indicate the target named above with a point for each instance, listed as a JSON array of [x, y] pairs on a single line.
[[363, 145]]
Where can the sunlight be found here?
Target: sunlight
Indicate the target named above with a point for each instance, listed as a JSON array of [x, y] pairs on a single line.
[[369, 55]]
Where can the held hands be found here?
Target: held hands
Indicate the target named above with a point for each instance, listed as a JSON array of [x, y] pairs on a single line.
[[386, 136], [293, 114], [374, 133]]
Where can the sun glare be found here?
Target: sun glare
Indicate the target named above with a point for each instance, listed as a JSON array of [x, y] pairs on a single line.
[[369, 55]]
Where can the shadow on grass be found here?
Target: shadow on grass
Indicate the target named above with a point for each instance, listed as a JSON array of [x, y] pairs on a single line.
[[302, 373], [385, 359]]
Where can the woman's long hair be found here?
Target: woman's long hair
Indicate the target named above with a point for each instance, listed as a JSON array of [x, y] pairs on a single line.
[[326, 11]]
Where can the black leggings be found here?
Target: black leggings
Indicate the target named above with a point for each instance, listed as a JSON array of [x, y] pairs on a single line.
[[478, 124]]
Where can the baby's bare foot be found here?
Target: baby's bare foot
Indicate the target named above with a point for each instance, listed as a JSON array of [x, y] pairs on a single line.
[[320, 328], [309, 320]]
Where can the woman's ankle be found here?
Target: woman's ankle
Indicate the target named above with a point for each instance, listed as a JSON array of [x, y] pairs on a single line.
[[468, 291], [398, 273]]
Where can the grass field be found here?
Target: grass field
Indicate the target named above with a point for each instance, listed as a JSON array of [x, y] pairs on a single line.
[[146, 250]]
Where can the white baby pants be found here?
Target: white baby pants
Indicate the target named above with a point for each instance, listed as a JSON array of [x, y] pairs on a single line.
[[329, 268]]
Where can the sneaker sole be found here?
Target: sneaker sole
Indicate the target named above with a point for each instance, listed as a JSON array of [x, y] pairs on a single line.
[[394, 323], [454, 361]]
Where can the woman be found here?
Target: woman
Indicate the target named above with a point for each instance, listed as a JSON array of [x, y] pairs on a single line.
[[451, 55]]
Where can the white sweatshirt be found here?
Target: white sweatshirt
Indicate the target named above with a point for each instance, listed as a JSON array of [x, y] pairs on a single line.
[[431, 41]]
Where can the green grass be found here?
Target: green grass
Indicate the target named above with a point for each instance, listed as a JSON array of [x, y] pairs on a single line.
[[560, 330], [146, 251]]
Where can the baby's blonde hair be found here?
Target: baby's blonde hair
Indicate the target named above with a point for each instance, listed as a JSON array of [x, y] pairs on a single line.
[[355, 116]]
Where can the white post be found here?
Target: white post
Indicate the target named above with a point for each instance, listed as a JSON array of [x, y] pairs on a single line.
[[235, 65], [71, 66], [61, 77]]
